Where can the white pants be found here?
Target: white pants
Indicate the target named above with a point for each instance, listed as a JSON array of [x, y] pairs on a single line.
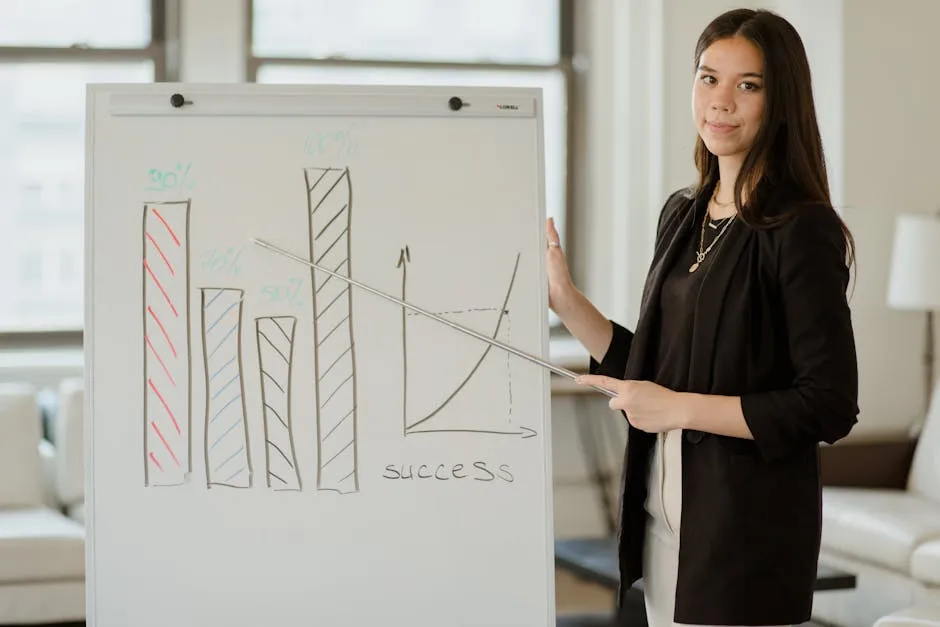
[[661, 548]]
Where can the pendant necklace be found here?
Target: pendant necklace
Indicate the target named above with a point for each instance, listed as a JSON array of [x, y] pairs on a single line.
[[702, 252]]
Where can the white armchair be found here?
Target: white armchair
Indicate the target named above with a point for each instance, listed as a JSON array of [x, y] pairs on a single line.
[[890, 539], [68, 428], [42, 552]]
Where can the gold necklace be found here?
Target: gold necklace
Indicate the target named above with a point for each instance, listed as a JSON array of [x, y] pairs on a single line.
[[715, 196], [700, 253]]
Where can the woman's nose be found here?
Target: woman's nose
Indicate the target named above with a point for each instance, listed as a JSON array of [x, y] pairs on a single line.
[[722, 102], [722, 99]]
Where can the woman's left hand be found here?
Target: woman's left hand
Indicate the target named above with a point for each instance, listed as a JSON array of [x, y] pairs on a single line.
[[649, 407]]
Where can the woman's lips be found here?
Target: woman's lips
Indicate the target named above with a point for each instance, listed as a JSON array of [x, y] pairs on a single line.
[[721, 129]]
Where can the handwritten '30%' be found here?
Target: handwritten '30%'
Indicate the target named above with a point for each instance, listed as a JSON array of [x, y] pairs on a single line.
[[178, 178]]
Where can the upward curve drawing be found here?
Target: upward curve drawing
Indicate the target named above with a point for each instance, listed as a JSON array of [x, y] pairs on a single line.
[[485, 412]]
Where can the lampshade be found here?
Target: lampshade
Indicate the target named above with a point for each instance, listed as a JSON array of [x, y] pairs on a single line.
[[914, 281]]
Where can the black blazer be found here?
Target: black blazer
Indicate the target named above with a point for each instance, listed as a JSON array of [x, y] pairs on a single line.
[[772, 325]]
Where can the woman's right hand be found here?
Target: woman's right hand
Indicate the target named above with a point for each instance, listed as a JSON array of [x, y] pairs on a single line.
[[560, 285], [580, 317]]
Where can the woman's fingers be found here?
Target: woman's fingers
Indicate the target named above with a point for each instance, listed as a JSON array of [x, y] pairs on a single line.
[[552, 234], [608, 383]]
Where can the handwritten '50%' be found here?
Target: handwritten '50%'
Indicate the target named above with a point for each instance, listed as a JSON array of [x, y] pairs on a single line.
[[283, 293]]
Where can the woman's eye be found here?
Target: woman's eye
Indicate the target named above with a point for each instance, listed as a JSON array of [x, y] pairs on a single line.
[[708, 80], [750, 86]]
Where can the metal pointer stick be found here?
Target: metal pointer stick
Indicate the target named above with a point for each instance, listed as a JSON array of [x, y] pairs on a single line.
[[515, 351]]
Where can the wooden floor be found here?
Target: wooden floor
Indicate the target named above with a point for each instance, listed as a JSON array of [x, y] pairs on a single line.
[[575, 595]]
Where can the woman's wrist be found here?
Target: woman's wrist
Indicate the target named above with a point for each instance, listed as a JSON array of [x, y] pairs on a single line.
[[565, 301]]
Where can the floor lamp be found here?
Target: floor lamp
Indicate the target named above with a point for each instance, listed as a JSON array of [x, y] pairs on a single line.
[[914, 283]]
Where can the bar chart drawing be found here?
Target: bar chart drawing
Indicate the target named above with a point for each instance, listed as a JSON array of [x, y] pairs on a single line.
[[275, 339], [329, 210], [468, 404], [227, 453], [167, 439]]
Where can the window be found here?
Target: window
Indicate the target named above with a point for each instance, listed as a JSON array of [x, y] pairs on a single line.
[[64, 23], [45, 64], [460, 31], [30, 270], [470, 42]]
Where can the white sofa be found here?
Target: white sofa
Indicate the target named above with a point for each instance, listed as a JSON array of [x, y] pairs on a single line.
[[42, 551], [67, 426], [916, 616], [891, 540]]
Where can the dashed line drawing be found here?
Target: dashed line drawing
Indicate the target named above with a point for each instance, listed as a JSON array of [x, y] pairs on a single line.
[[329, 210], [509, 365], [227, 454], [275, 338], [167, 434], [435, 420]]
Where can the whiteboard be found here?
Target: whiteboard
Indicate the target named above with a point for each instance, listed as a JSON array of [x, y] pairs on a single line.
[[268, 445]]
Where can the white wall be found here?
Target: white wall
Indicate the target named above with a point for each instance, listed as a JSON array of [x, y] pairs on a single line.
[[892, 131]]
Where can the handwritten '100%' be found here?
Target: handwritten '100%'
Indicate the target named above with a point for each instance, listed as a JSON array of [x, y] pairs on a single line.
[[336, 143]]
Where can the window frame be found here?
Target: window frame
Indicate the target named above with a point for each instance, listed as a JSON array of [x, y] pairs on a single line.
[[164, 30], [566, 66]]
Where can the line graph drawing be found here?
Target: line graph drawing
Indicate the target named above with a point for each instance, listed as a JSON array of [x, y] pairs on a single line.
[[275, 339], [481, 411], [167, 441], [227, 455], [329, 209]]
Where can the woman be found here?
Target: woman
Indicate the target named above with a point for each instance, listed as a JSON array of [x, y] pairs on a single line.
[[743, 358]]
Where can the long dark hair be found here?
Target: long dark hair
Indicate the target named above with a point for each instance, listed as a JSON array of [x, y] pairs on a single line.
[[788, 146]]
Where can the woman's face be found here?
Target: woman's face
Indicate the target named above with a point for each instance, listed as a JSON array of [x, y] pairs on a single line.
[[728, 96]]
